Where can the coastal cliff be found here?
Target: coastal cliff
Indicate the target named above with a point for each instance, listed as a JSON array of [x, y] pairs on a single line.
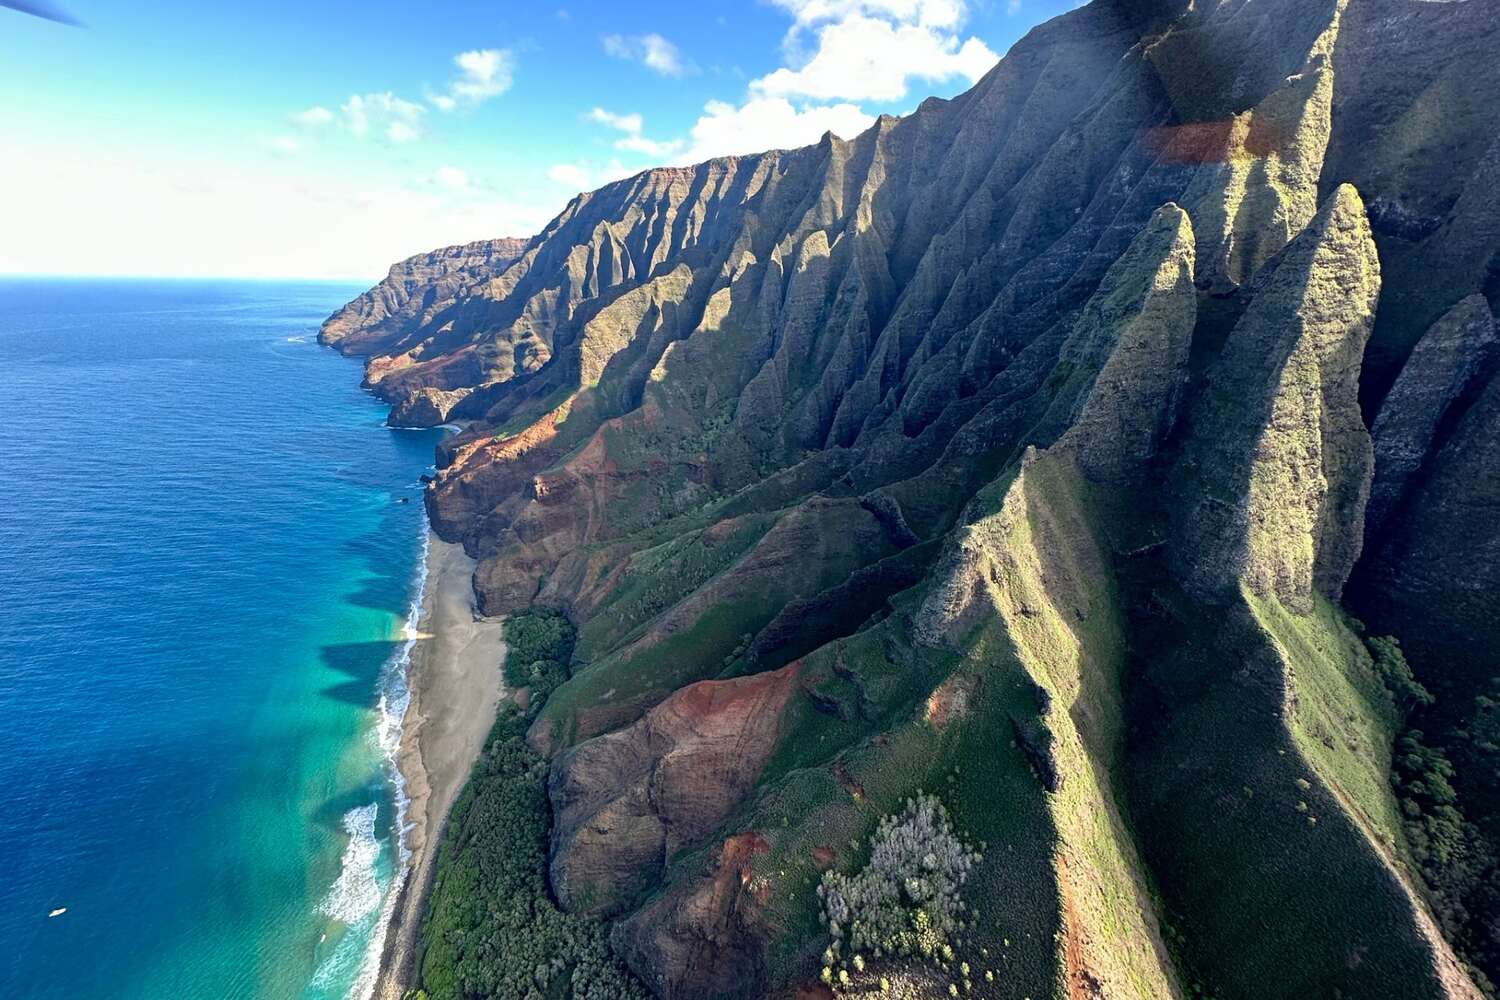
[[1035, 450]]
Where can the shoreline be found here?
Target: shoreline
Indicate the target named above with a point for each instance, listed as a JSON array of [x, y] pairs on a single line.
[[455, 683]]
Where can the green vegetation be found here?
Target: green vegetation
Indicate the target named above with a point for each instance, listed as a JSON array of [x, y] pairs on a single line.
[[1434, 826], [1455, 860], [789, 403], [1406, 693], [1215, 793], [831, 539], [539, 644], [657, 577], [492, 929], [1484, 731], [1344, 719]]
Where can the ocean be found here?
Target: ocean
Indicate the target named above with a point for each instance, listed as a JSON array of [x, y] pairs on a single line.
[[210, 548]]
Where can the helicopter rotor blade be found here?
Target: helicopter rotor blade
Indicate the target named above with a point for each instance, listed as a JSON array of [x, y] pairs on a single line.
[[42, 9]]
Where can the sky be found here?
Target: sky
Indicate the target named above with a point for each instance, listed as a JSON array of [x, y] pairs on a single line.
[[284, 139]]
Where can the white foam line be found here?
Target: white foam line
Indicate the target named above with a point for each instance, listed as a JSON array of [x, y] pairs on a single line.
[[356, 892], [395, 698]]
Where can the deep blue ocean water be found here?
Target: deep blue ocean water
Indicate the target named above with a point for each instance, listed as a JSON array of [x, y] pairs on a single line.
[[205, 570]]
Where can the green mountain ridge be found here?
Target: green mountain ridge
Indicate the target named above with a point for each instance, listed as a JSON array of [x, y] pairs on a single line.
[[1033, 451]]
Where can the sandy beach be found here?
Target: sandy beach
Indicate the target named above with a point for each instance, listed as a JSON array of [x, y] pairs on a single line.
[[456, 685]]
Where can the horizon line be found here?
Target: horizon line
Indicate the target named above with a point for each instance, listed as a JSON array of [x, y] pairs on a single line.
[[121, 276]]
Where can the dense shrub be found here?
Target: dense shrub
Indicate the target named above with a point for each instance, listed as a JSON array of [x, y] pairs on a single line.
[[1404, 690], [905, 901], [539, 645], [1456, 862], [1422, 774], [1454, 858], [492, 929]]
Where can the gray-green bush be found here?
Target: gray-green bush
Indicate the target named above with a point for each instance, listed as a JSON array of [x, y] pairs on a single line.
[[905, 902]]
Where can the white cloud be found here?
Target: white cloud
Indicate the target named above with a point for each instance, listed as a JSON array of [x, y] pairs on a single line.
[[633, 141], [631, 123], [483, 74], [451, 177], [838, 53], [314, 117], [768, 123], [402, 132], [397, 119], [652, 51], [1013, 7], [873, 50], [929, 13], [647, 147], [284, 144], [585, 176], [486, 73]]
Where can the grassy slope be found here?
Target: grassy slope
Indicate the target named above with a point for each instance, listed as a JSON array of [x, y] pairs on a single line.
[[656, 578], [1061, 889], [1341, 719], [1069, 629], [1276, 890], [739, 595]]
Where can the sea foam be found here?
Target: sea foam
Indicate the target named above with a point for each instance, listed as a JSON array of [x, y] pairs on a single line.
[[395, 699], [356, 893]]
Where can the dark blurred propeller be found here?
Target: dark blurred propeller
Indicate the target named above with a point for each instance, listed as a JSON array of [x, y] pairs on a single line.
[[41, 8]]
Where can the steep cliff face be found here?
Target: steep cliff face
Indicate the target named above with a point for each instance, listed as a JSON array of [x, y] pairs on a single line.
[[1016, 448], [1448, 365], [376, 322], [1278, 465]]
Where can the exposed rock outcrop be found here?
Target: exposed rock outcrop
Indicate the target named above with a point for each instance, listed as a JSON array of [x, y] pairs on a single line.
[[1262, 187], [703, 940], [624, 803], [1274, 479], [1438, 576], [377, 320], [1127, 359], [1134, 334], [1448, 362]]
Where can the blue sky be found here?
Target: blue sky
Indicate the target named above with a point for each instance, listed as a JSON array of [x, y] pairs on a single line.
[[322, 141]]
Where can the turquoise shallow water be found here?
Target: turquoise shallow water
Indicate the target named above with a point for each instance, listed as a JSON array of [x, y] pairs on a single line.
[[206, 573]]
